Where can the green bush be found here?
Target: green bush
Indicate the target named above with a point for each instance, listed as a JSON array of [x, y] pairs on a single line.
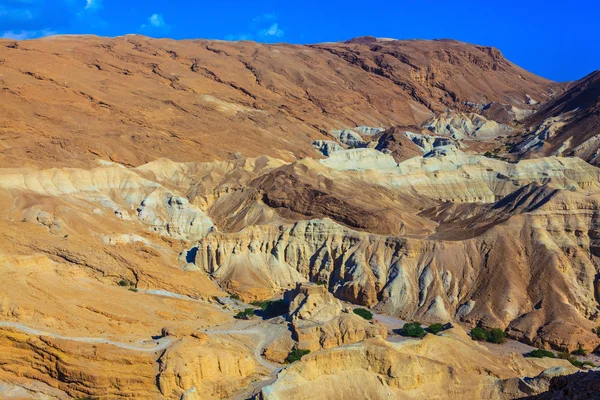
[[413, 329], [497, 336], [234, 296], [597, 331], [540, 353], [579, 352], [321, 283], [362, 312], [295, 355], [480, 334], [123, 282], [589, 363], [435, 328], [494, 335], [246, 314], [575, 362], [133, 289], [566, 356]]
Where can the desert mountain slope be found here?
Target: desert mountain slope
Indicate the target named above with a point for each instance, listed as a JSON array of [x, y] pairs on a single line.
[[160, 197], [71, 100], [567, 125]]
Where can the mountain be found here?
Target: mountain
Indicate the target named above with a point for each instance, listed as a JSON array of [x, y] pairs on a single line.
[[69, 100], [568, 125], [182, 219]]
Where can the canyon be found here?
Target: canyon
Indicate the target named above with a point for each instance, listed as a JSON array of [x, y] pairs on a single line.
[[162, 197]]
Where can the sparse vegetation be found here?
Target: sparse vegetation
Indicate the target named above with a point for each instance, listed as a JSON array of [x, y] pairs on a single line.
[[413, 329], [295, 355], [479, 333], [123, 283], [435, 328], [597, 331], [362, 312], [579, 352], [321, 283], [540, 353], [133, 289], [589, 363], [234, 296], [497, 336], [246, 314], [494, 335], [574, 361]]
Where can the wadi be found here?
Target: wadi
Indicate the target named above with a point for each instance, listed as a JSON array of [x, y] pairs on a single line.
[[366, 219]]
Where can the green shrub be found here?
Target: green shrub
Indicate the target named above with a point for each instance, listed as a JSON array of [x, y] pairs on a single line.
[[295, 355], [133, 289], [597, 331], [362, 312], [123, 282], [480, 334], [413, 329], [435, 328], [566, 356], [589, 363], [321, 283], [579, 352], [497, 336], [575, 362], [246, 314], [494, 335], [260, 304], [540, 353], [234, 296]]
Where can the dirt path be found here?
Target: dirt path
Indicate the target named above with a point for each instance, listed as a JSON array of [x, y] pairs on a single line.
[[266, 332], [159, 344]]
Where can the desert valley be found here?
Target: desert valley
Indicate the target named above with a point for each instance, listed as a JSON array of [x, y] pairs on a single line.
[[368, 219]]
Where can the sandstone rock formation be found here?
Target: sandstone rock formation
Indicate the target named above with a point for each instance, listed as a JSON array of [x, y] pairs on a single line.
[[151, 187], [461, 126], [320, 321], [418, 369]]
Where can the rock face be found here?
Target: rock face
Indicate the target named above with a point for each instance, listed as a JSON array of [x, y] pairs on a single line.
[[417, 277], [205, 368], [577, 386], [326, 147], [418, 369], [145, 183], [319, 320], [461, 126], [567, 125], [77, 369]]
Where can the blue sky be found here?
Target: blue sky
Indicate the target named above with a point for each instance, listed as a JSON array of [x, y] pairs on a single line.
[[559, 40]]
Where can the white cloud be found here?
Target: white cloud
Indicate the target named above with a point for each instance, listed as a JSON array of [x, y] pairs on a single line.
[[93, 4], [262, 27], [272, 31], [24, 35], [156, 22]]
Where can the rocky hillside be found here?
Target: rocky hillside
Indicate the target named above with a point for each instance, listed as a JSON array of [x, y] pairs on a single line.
[[72, 100], [181, 219], [568, 125]]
